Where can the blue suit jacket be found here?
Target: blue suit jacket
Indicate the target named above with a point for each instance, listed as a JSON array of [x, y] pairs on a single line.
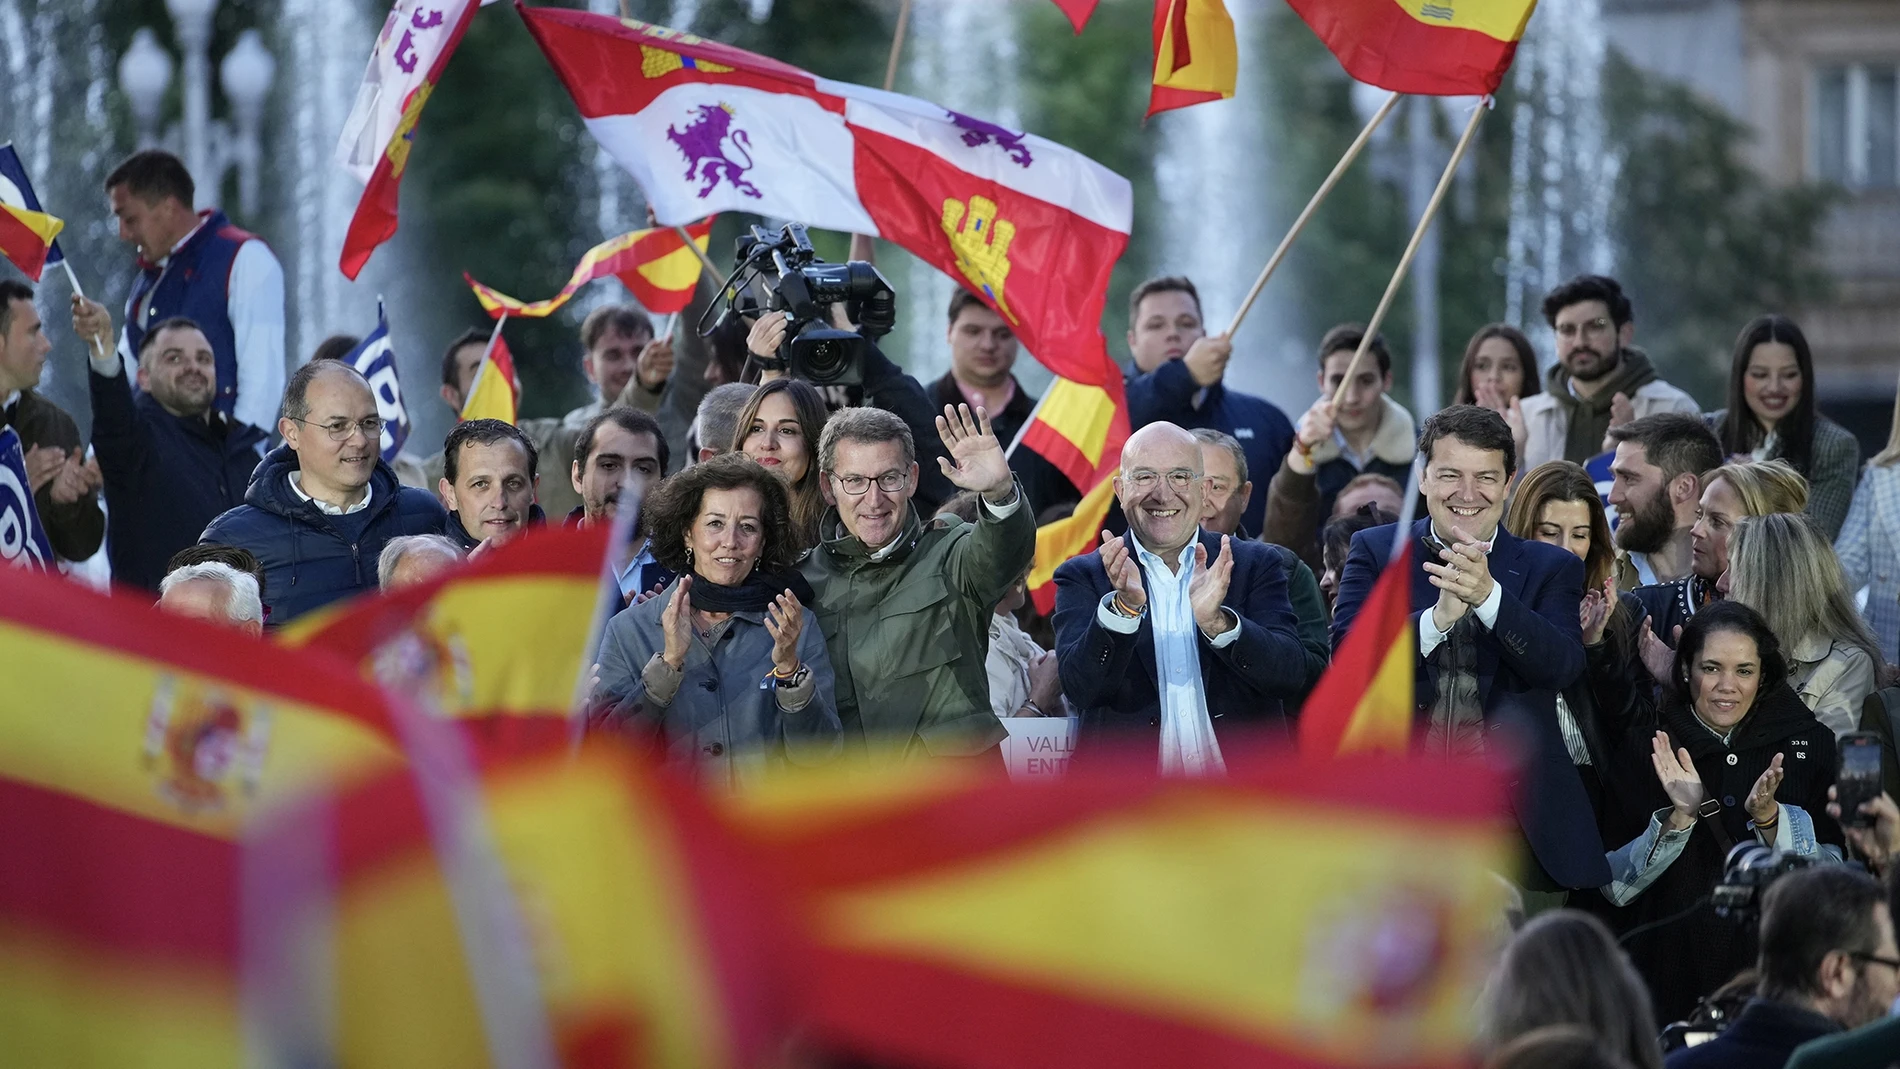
[[1535, 651], [1110, 677]]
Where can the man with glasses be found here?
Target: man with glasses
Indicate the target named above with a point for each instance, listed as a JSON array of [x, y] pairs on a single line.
[[171, 461], [321, 506], [1171, 630], [904, 604], [1828, 962], [1600, 380]]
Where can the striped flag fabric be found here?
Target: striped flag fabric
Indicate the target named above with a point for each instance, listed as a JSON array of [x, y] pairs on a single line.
[[1032, 227], [654, 264], [1078, 428], [408, 59], [496, 391], [134, 750], [496, 645], [1290, 914], [23, 541], [28, 235], [1364, 701], [1073, 535], [650, 939], [376, 361], [1197, 58], [1431, 47]]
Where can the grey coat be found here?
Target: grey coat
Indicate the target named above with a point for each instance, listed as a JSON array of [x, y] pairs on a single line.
[[725, 720]]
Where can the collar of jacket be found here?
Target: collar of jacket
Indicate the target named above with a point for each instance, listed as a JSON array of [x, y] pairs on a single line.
[[845, 547], [1634, 370], [1395, 442], [270, 485], [946, 392], [1778, 714]]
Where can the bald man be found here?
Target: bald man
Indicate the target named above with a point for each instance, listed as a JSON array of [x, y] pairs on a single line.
[[1172, 636]]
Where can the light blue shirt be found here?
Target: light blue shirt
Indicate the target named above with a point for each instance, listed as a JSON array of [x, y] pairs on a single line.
[[631, 575], [1188, 746]]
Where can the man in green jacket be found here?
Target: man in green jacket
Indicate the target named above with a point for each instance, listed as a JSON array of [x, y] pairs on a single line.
[[904, 604]]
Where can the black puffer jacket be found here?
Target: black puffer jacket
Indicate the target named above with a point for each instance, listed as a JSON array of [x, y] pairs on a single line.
[[312, 559], [1688, 958]]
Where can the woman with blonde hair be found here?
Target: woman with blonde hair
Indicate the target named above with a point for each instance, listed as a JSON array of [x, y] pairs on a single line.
[[1729, 493], [1782, 567], [1869, 542]]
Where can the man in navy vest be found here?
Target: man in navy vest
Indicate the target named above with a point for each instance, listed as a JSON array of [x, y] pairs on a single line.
[[197, 266]]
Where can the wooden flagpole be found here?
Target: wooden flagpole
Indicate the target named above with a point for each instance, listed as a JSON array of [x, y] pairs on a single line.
[[1319, 195], [705, 261], [861, 247], [1411, 248]]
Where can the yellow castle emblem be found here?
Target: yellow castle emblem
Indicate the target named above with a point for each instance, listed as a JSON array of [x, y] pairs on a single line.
[[657, 62], [404, 137], [981, 243]]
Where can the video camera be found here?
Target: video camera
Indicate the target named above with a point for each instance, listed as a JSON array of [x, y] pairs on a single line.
[[1746, 875], [805, 287]]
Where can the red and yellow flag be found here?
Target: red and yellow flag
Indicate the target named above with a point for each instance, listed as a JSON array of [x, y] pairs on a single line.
[[1364, 701], [496, 391], [1079, 428], [134, 750], [1196, 55], [622, 928], [496, 645], [654, 264], [1288, 915], [26, 237], [1437, 47]]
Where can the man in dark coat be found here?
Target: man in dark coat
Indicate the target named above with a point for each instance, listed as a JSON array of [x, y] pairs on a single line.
[[1172, 634], [320, 507], [1828, 962], [1498, 632], [65, 488], [172, 462]]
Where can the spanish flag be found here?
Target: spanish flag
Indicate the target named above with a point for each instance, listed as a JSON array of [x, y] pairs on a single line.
[[654, 264], [601, 917], [1365, 700], [26, 237], [1290, 914], [1079, 428], [1196, 56], [497, 645], [1436, 47], [134, 750], [496, 391]]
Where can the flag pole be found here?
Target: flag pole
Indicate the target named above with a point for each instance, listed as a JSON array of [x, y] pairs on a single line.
[[897, 45], [705, 261], [1031, 420], [482, 368], [1319, 195], [1411, 248], [97, 345]]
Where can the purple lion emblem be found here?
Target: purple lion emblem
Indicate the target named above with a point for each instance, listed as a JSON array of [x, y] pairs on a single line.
[[977, 132], [703, 145]]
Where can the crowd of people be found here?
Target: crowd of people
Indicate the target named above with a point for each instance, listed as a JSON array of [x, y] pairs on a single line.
[[1650, 608]]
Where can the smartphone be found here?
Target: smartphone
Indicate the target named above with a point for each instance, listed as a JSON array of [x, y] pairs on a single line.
[[1858, 778]]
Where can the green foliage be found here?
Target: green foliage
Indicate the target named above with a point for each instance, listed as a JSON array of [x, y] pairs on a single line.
[[1705, 243], [494, 188]]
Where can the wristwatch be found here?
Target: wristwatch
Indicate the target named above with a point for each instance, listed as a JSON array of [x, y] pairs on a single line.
[[793, 681]]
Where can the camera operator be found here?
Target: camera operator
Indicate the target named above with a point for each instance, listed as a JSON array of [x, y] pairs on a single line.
[[1729, 756], [885, 386], [1828, 962]]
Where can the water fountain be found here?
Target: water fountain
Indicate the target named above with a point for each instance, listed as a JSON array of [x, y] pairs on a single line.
[[1563, 173]]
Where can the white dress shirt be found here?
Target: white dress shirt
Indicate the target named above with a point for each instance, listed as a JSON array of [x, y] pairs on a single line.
[[1188, 745], [296, 487], [255, 306]]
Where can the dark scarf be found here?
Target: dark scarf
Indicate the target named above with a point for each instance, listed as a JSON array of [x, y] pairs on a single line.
[[752, 595]]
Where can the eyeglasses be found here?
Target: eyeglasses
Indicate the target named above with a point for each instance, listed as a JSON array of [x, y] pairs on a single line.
[[1891, 963], [856, 485], [1145, 479], [1599, 325], [339, 429]]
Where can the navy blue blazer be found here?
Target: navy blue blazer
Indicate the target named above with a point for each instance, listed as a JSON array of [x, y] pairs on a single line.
[[1110, 678], [1534, 652]]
